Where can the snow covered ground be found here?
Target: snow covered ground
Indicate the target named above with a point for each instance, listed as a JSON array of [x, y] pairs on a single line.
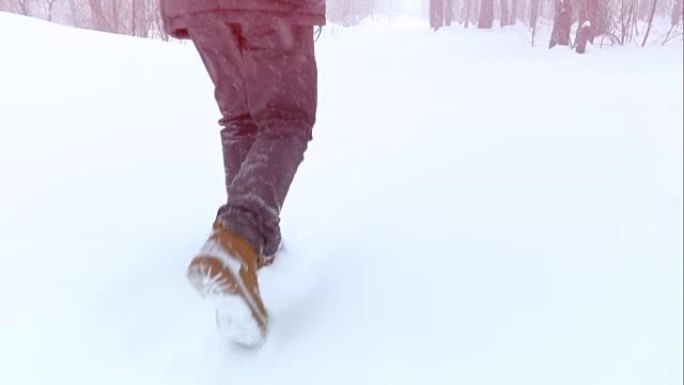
[[471, 211]]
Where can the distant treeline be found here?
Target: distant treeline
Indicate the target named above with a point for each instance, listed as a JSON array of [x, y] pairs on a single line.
[[574, 22]]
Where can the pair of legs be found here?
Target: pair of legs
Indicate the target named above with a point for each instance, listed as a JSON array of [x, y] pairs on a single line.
[[265, 80]]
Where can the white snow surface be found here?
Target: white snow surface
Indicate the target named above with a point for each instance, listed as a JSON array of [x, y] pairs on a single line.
[[471, 211]]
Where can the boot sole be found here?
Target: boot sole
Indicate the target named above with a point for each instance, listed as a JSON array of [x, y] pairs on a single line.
[[235, 309], [235, 321]]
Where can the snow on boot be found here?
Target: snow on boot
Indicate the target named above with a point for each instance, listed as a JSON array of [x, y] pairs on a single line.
[[224, 271], [267, 260]]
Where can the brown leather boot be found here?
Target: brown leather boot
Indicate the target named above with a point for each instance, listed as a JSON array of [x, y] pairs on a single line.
[[267, 260], [225, 272]]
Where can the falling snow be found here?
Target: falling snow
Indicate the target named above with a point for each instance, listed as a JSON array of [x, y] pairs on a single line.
[[471, 210]]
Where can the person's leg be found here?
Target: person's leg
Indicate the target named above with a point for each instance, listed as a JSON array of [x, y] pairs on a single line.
[[237, 138], [225, 268], [282, 90], [219, 46]]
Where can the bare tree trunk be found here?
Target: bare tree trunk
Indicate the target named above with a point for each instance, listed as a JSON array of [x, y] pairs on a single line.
[[24, 8], [134, 18], [465, 14], [534, 14], [583, 33], [514, 12], [677, 12], [504, 13], [635, 16], [631, 22], [642, 11], [49, 7], [151, 21], [448, 12], [155, 21], [75, 17], [650, 21], [593, 19], [436, 14], [625, 21], [99, 19], [599, 17], [115, 21], [486, 14], [562, 22]]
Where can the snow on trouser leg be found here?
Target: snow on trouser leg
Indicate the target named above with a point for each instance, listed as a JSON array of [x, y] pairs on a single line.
[[280, 78], [259, 190]]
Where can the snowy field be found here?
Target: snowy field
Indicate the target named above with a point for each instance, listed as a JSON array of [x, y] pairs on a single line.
[[471, 211]]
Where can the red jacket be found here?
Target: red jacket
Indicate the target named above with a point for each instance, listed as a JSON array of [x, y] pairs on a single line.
[[179, 14]]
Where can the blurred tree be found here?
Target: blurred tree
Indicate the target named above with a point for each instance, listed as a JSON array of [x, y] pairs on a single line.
[[486, 19], [650, 22], [677, 12], [562, 21], [98, 17], [441, 13], [466, 12], [504, 17], [436, 14], [514, 12], [593, 21], [534, 15]]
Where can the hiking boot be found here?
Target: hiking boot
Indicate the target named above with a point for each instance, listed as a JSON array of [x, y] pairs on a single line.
[[224, 271], [267, 260]]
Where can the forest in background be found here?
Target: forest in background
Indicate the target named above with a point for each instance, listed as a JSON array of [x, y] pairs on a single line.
[[571, 23]]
